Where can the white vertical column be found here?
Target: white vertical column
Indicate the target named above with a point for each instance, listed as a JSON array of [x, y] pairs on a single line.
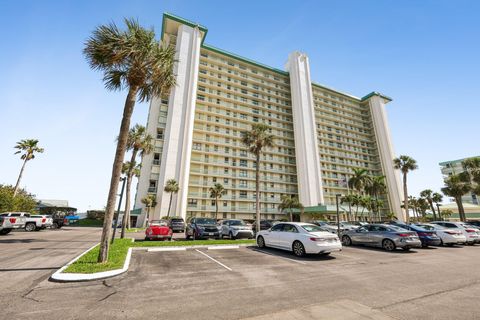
[[386, 154], [179, 129], [310, 189]]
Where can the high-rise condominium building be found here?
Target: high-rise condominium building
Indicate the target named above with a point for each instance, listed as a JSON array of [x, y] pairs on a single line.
[[449, 168], [321, 134]]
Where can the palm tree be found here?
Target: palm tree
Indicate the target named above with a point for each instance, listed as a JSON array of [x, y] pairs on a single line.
[[350, 199], [359, 180], [445, 213], [138, 141], [149, 201], [437, 198], [288, 203], [130, 59], [472, 173], [130, 169], [256, 140], [29, 147], [376, 186], [216, 192], [456, 187], [366, 203], [405, 164], [171, 187], [428, 195]]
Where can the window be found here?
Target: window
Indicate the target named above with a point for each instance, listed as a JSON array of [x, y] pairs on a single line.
[[290, 228], [278, 227], [159, 133], [152, 187], [243, 163], [156, 159], [197, 146], [243, 194], [192, 202]]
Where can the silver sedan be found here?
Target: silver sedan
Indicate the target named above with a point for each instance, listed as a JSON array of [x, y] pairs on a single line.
[[385, 236]]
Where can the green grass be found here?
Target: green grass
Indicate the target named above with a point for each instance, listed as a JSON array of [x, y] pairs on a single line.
[[118, 252], [88, 262], [188, 243], [88, 223], [133, 230]]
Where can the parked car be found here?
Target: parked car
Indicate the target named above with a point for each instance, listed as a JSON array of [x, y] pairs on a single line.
[[388, 237], [427, 237], [357, 223], [29, 223], [201, 228], [158, 230], [300, 238], [475, 223], [329, 226], [177, 224], [10, 221], [448, 237], [264, 224], [47, 221], [471, 234], [235, 228]]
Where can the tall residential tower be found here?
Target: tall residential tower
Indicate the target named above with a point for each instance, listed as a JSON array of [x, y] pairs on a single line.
[[321, 134]]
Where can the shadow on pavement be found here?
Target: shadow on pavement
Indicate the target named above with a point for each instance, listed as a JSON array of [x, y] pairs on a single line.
[[290, 255]]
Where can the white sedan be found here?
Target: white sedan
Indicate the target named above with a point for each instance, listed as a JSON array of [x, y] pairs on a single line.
[[449, 237], [470, 233], [301, 238]]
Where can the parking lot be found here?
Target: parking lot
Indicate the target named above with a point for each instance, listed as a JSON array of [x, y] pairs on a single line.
[[436, 283]]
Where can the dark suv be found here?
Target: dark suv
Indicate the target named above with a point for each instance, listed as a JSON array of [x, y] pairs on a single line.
[[202, 228], [264, 225], [176, 224]]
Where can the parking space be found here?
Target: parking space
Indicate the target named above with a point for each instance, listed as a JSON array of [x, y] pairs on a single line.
[[248, 282]]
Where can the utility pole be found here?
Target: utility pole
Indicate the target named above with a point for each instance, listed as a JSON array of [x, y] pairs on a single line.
[[338, 213]]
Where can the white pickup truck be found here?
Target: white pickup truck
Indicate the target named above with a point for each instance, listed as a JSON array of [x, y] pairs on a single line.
[[10, 221], [32, 222]]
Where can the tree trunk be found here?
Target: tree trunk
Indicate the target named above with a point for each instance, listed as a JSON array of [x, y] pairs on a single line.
[[291, 215], [116, 172], [147, 215], [216, 208], [405, 198], [257, 192], [461, 210], [126, 214], [20, 177], [169, 204]]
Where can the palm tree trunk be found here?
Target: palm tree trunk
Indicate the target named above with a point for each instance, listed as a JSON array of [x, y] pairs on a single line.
[[169, 204], [20, 176], [291, 214], [216, 208], [433, 210], [126, 214], [257, 191], [405, 197], [116, 172], [461, 210], [147, 215]]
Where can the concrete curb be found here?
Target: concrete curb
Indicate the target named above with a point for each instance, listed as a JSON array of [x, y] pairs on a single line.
[[60, 276], [203, 246]]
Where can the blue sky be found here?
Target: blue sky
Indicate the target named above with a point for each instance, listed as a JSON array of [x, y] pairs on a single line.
[[424, 54]]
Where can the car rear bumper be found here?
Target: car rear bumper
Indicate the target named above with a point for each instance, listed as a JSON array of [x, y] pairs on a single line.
[[430, 241], [207, 234], [242, 233], [404, 243], [178, 228], [317, 248], [159, 236]]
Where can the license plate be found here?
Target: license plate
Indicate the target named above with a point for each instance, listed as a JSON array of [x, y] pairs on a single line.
[[210, 233]]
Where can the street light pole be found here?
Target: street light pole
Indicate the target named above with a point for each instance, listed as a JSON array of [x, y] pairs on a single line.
[[337, 196], [118, 208], [439, 213]]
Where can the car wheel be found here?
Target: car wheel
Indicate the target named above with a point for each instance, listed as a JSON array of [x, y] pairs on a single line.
[[388, 245], [194, 235], [261, 242], [408, 249], [55, 225], [232, 237], [187, 237], [298, 249], [147, 238], [471, 243], [29, 227], [346, 241]]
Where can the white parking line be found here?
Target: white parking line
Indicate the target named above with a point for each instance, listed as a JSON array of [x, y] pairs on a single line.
[[222, 247], [166, 249], [206, 255], [293, 260]]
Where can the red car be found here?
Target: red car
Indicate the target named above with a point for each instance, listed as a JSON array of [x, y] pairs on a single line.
[[158, 230]]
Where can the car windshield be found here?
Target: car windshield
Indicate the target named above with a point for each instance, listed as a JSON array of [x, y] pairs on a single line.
[[159, 223], [205, 221], [237, 223], [311, 228]]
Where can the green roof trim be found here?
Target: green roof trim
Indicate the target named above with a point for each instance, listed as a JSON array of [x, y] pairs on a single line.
[[336, 91], [374, 93], [178, 19], [246, 60], [456, 161]]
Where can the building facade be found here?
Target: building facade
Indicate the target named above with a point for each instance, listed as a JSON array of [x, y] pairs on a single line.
[[320, 134], [449, 168]]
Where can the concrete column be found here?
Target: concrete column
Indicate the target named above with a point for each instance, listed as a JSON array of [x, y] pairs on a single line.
[[176, 154], [386, 154], [309, 175]]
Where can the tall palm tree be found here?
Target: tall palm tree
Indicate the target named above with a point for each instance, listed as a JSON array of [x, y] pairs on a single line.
[[171, 187], [456, 188], [129, 59], [149, 201], [437, 198], [367, 203], [359, 180], [376, 186], [216, 192], [29, 147], [405, 164], [257, 140], [288, 203], [428, 195], [350, 199], [130, 169], [138, 140]]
